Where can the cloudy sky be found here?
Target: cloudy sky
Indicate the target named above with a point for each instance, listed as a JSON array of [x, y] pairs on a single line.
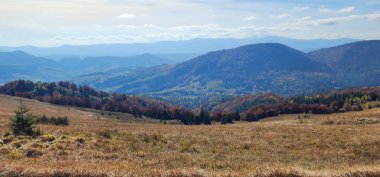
[[59, 22]]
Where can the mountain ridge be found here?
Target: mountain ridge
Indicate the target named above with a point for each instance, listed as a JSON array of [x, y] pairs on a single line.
[[21, 65], [197, 45], [358, 62], [243, 70]]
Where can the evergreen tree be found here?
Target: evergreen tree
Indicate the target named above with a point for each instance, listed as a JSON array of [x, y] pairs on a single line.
[[236, 116], [198, 120], [223, 121], [22, 123], [205, 116], [251, 117], [229, 118]]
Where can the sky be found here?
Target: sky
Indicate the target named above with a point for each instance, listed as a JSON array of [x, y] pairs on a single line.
[[47, 23]]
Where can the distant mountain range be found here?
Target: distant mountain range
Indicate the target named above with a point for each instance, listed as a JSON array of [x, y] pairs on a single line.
[[178, 50], [255, 68], [20, 65], [213, 77]]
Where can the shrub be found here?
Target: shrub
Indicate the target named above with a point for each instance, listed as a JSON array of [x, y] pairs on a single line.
[[185, 146], [33, 153], [80, 140], [52, 120], [14, 155], [328, 122], [105, 134]]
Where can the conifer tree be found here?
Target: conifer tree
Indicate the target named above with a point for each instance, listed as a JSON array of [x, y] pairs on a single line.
[[22, 123], [236, 116]]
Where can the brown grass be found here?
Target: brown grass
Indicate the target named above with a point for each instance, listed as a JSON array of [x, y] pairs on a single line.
[[280, 146]]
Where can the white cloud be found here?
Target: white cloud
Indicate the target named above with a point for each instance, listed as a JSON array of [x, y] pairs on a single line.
[[306, 18], [350, 18], [338, 11], [372, 17], [329, 21], [196, 27], [149, 26], [127, 16], [281, 16], [308, 21], [347, 10], [135, 27], [300, 8], [249, 18], [126, 26]]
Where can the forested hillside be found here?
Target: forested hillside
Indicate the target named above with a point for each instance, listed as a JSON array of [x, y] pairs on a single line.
[[212, 77], [65, 93], [255, 107], [248, 108], [354, 64], [257, 68]]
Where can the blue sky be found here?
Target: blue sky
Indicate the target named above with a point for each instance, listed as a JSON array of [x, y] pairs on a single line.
[[59, 22]]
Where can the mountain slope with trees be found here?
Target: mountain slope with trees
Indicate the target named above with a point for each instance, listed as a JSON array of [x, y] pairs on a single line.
[[65, 93], [355, 64], [259, 106], [217, 76], [244, 70]]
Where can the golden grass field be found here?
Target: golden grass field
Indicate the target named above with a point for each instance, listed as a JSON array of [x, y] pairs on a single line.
[[345, 144]]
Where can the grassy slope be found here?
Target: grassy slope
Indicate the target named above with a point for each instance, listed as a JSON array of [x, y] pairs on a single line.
[[315, 146]]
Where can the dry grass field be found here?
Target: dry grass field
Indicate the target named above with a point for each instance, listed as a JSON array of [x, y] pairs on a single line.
[[345, 144]]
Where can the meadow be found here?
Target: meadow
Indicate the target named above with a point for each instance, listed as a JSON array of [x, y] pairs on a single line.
[[116, 144]]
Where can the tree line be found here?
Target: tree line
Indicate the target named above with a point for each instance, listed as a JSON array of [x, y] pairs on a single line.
[[66, 93], [69, 94], [325, 103]]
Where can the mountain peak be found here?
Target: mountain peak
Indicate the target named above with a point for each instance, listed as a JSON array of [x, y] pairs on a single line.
[[261, 57]]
